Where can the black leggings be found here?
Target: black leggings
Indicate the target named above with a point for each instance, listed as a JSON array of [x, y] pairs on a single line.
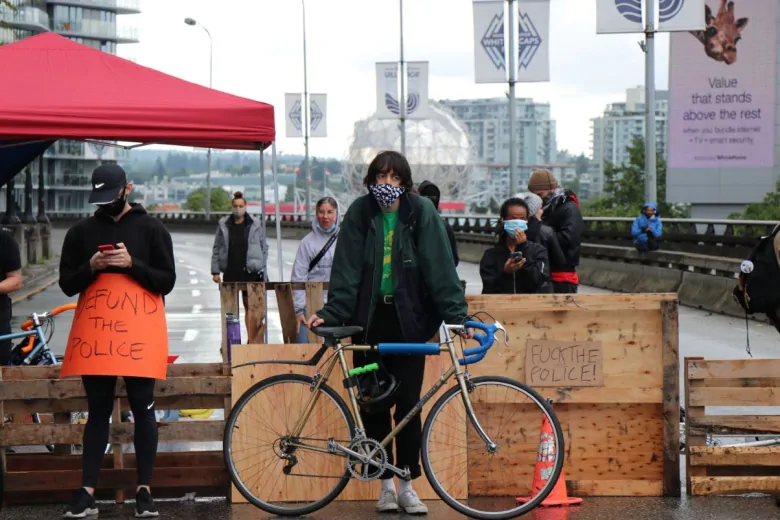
[[100, 401]]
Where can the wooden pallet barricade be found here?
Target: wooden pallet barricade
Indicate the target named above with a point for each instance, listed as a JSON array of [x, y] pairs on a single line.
[[622, 436], [718, 470], [40, 477]]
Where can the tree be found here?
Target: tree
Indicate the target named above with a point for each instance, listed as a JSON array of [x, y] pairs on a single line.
[[8, 5], [581, 163], [624, 187], [573, 185], [767, 209], [220, 200]]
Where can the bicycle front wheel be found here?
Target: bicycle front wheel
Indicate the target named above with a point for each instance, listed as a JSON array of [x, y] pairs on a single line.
[[281, 474], [484, 480]]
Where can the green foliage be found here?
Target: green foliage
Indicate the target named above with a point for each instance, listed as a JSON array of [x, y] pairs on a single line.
[[220, 200], [767, 209], [624, 187], [581, 163], [8, 5], [573, 185]]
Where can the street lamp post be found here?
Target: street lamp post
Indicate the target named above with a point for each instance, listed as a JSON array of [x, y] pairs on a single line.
[[193, 22], [306, 119]]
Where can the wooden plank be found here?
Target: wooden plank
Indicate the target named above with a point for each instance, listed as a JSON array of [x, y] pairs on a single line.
[[53, 372], [315, 300], [256, 313], [71, 387], [175, 402], [735, 456], [671, 398], [284, 301], [734, 368], [568, 302], [735, 424], [623, 487], [119, 433], [116, 478], [692, 413], [744, 382], [734, 485], [734, 396], [165, 459]]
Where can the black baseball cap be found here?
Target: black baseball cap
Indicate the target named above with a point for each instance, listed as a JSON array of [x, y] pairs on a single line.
[[107, 180]]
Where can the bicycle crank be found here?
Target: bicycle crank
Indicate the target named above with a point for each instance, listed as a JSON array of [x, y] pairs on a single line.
[[366, 459]]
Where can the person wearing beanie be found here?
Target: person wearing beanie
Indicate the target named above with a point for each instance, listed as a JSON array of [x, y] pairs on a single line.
[[561, 212], [544, 235]]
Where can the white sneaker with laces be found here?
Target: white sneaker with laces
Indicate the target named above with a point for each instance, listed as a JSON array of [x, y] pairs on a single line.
[[387, 501], [411, 503]]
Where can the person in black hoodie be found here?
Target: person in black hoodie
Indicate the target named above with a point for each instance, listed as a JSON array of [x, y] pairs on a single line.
[[431, 192], [144, 251], [561, 211], [515, 265], [544, 235]]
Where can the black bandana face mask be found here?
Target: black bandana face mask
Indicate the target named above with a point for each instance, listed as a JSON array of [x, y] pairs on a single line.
[[114, 208], [385, 194]]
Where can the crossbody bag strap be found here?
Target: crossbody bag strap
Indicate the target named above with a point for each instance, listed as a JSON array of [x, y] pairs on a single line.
[[316, 259]]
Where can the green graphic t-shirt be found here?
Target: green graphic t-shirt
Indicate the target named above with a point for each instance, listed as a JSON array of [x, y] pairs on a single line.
[[389, 220]]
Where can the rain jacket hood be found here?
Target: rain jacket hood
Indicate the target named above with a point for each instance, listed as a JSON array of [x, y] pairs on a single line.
[[429, 189]]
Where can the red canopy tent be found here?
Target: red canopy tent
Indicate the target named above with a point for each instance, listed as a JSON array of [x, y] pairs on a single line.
[[54, 88]]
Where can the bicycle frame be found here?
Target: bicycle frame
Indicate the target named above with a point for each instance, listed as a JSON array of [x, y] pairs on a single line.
[[448, 345], [37, 331]]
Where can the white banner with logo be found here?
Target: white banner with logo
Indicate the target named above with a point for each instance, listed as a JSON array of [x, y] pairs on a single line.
[[533, 41], [681, 15], [318, 115], [619, 16], [387, 106], [417, 90], [293, 115], [489, 37]]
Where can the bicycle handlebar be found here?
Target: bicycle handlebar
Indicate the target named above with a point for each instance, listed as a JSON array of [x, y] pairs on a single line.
[[27, 325], [476, 354]]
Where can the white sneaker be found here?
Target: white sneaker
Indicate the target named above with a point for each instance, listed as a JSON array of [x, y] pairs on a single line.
[[412, 504], [387, 501]]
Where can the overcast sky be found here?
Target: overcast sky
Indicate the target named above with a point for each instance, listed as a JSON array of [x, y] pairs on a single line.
[[258, 54]]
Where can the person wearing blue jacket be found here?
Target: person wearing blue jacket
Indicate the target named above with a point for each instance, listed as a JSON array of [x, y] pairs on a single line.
[[647, 229]]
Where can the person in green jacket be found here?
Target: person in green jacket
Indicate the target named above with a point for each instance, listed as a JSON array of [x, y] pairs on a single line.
[[393, 275]]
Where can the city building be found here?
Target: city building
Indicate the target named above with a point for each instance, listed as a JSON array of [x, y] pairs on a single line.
[[487, 123], [69, 164], [613, 131]]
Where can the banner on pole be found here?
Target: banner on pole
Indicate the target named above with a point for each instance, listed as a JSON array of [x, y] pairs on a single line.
[[387, 90], [293, 115], [489, 37], [681, 15], [417, 90], [620, 16], [533, 41], [318, 115]]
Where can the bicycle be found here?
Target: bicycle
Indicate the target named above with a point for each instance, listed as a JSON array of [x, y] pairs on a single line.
[[362, 458]]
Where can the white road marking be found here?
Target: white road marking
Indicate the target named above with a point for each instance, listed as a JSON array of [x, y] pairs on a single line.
[[189, 243], [195, 293], [197, 308], [193, 281], [190, 335], [193, 273]]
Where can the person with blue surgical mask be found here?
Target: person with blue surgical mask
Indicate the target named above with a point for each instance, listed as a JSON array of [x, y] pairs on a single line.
[[515, 265], [314, 259]]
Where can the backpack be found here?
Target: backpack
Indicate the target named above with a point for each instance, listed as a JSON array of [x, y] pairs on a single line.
[[759, 290]]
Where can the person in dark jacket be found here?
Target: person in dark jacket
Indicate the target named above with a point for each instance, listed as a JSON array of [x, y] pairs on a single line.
[[431, 192], [544, 235], [561, 211], [515, 265], [394, 276], [144, 251]]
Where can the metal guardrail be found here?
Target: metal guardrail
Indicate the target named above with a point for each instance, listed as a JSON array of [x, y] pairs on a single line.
[[718, 238]]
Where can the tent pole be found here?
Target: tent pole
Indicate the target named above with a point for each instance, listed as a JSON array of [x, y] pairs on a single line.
[[262, 194], [276, 211]]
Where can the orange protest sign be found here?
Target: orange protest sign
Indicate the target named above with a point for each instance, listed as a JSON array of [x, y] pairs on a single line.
[[119, 329]]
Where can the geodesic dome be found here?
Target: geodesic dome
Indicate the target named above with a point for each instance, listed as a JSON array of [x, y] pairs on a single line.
[[438, 150]]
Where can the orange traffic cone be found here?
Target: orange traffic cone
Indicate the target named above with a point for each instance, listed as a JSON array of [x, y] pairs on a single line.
[[544, 467]]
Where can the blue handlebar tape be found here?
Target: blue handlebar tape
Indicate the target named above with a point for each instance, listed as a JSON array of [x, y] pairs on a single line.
[[423, 349]]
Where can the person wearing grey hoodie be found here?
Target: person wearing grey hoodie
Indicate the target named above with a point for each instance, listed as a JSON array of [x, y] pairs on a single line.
[[314, 258]]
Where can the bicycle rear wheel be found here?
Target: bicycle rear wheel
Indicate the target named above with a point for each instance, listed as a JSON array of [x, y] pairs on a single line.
[[282, 475], [484, 481]]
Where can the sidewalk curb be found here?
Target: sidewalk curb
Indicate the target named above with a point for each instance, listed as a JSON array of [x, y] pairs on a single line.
[[35, 291]]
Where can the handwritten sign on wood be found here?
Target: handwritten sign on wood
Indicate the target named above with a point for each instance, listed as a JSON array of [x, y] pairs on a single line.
[[563, 363], [119, 329]]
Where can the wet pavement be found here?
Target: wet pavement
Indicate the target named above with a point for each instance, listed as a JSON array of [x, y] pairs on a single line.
[[596, 508]]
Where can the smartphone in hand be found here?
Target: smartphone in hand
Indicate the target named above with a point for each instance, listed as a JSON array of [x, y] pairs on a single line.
[[106, 247], [517, 256]]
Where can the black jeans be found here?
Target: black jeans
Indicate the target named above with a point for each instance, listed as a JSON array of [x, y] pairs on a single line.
[[409, 372], [564, 287], [5, 345], [100, 403]]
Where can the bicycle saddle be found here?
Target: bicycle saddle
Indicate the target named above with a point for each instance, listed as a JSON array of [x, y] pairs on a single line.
[[334, 333]]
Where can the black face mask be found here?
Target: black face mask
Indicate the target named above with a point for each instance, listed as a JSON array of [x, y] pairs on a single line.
[[113, 209]]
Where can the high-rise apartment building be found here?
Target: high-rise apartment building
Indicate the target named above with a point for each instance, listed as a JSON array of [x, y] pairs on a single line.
[[613, 131], [69, 164], [487, 121]]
